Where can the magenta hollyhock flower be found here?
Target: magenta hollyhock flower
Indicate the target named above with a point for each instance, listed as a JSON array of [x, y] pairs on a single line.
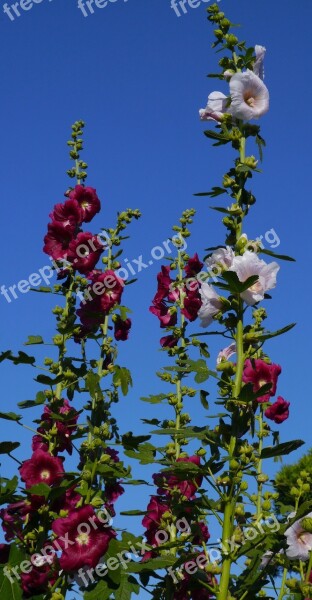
[[108, 287], [203, 534], [121, 329], [65, 429], [279, 411], [88, 201], [57, 240], [83, 538], [188, 584], [193, 266], [191, 304], [154, 512], [259, 373], [161, 311], [187, 488], [84, 252], [168, 341], [42, 467], [39, 443], [113, 491], [91, 315], [37, 581], [164, 282], [13, 517], [68, 213]]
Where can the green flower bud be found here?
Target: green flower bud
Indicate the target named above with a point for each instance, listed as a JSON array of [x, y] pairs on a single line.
[[218, 33], [86, 475], [244, 486], [251, 162], [228, 181], [58, 340], [97, 502], [294, 492], [292, 584], [266, 505], [306, 487], [201, 452], [231, 39], [262, 478], [306, 524]]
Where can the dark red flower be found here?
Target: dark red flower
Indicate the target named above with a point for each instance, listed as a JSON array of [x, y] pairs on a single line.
[[169, 482], [91, 315], [84, 252], [121, 328], [169, 341], [113, 491], [191, 305], [65, 428], [42, 467], [152, 520], [279, 411], [67, 501], [190, 586], [88, 201], [57, 240], [83, 538], [203, 534], [68, 213], [193, 266], [108, 287], [164, 283], [13, 517], [259, 373], [161, 310], [37, 581], [39, 443]]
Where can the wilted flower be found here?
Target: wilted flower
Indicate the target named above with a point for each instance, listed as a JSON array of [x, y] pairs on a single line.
[[299, 541], [226, 353], [211, 304], [250, 264], [258, 66], [249, 96]]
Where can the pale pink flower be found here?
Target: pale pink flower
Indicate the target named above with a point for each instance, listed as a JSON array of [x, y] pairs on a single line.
[[216, 107], [299, 541], [221, 257], [258, 66], [211, 304], [249, 96], [250, 264], [226, 353]]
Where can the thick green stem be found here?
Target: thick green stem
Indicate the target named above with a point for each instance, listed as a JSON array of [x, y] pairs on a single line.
[[259, 468], [282, 588]]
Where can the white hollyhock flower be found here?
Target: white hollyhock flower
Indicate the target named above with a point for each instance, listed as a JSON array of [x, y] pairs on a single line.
[[258, 66], [250, 264], [221, 256], [299, 541], [226, 353], [249, 96], [211, 304], [216, 107]]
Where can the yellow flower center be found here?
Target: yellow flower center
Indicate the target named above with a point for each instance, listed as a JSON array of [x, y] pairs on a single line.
[[249, 98], [45, 474], [82, 539]]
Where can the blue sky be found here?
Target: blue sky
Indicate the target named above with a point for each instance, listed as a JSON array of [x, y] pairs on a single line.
[[136, 73]]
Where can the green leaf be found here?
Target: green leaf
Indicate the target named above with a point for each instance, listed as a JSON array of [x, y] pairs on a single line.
[[8, 447], [45, 380], [40, 399], [130, 441], [10, 589], [268, 335], [40, 489], [281, 449], [10, 416], [34, 339], [5, 355], [22, 359], [102, 590], [133, 513], [203, 399], [128, 586], [200, 368], [122, 378], [280, 256], [157, 399], [154, 564], [237, 286]]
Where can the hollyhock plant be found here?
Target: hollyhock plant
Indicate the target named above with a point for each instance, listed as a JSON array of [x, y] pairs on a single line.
[[249, 96], [250, 264], [37, 581], [108, 287], [64, 429], [279, 411], [84, 252], [88, 201], [42, 467], [84, 544], [260, 373], [211, 304]]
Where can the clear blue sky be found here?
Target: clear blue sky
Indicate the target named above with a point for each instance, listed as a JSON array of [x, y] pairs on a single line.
[[136, 73]]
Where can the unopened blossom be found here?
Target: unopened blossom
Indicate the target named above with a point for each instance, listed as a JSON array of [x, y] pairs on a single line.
[[249, 96], [250, 264], [211, 304], [258, 66], [226, 353], [279, 411], [216, 107], [299, 541]]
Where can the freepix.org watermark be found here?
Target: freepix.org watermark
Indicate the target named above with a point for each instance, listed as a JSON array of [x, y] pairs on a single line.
[[87, 6], [180, 7], [17, 8]]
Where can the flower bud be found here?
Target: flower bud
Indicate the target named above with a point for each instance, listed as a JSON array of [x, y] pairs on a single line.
[[244, 486], [266, 505], [306, 524], [231, 39], [97, 502], [251, 162], [292, 584], [262, 478]]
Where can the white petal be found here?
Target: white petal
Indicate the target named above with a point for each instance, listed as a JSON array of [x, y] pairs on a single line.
[[247, 87], [258, 66]]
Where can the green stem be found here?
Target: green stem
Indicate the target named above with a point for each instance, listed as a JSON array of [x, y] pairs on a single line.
[[309, 569], [282, 589], [259, 468]]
